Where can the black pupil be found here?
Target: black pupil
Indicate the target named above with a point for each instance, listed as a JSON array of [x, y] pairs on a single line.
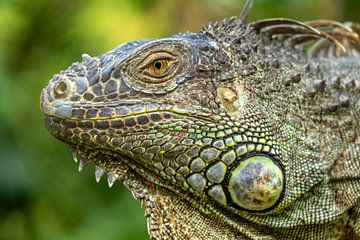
[[158, 65]]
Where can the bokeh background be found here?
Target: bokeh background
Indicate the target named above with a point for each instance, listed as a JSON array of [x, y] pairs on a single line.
[[42, 195]]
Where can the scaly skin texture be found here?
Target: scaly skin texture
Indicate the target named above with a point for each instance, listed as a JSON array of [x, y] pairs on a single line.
[[241, 131]]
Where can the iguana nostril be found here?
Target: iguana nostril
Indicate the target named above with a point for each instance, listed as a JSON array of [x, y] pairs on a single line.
[[61, 89]]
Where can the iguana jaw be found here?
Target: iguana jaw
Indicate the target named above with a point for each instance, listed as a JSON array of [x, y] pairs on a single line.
[[115, 165], [163, 201], [149, 189]]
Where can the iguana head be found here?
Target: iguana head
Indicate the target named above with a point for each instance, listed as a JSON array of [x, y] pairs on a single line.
[[195, 121]]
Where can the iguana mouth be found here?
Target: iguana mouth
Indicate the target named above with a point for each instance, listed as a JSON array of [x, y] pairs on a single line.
[[84, 156], [121, 169], [124, 113]]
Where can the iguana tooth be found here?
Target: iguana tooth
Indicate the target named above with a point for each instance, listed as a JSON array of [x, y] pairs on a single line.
[[111, 179], [148, 224], [86, 57], [74, 155], [99, 172], [142, 202], [134, 194], [82, 163]]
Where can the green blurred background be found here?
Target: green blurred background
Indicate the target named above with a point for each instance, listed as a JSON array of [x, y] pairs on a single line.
[[42, 196]]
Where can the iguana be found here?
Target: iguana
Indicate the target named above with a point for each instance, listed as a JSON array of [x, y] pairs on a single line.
[[241, 131]]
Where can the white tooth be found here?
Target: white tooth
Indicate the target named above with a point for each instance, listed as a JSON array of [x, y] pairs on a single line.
[[148, 225], [99, 172], [111, 179], [86, 57], [83, 163], [74, 154], [134, 194]]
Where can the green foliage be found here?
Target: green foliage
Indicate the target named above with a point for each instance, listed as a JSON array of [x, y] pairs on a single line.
[[42, 196]]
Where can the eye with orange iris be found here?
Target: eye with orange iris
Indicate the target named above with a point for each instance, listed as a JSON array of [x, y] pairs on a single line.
[[158, 67]]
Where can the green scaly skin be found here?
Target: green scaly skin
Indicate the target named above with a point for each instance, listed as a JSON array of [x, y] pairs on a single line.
[[230, 133]]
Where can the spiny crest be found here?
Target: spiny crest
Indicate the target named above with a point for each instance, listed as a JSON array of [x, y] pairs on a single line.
[[230, 23], [228, 29], [319, 38], [322, 38]]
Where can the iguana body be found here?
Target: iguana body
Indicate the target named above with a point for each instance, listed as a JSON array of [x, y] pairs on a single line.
[[230, 133]]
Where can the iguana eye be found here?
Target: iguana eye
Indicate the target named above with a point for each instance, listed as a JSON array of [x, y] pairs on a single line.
[[158, 67]]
